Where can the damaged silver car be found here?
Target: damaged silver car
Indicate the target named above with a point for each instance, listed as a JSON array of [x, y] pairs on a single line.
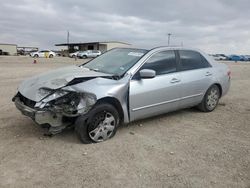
[[121, 86]]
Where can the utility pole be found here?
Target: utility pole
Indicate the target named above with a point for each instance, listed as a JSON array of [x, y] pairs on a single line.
[[169, 36], [68, 37], [68, 40]]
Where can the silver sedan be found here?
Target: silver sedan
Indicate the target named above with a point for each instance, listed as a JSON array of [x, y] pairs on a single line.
[[121, 86]]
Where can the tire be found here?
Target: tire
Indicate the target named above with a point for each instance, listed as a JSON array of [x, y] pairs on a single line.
[[73, 56], [210, 100], [84, 57], [51, 56], [100, 124], [36, 56]]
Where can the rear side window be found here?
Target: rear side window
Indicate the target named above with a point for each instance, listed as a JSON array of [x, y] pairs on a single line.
[[190, 60], [162, 63]]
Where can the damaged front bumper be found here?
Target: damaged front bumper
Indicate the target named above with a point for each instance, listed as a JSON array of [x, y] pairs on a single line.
[[55, 112], [55, 120], [39, 116]]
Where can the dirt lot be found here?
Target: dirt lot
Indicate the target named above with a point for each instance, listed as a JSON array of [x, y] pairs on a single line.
[[181, 149]]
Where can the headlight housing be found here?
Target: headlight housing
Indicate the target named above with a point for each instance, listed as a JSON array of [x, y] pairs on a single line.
[[71, 103], [49, 94]]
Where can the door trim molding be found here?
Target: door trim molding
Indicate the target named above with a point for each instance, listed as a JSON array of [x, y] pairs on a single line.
[[166, 102]]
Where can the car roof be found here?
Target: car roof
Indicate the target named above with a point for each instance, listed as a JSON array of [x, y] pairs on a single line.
[[164, 48], [174, 48], [211, 60]]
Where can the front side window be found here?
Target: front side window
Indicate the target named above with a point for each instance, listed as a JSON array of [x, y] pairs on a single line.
[[161, 62], [190, 60]]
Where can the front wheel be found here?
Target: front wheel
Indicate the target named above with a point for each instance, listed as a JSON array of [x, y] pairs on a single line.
[[101, 124], [51, 56], [210, 100]]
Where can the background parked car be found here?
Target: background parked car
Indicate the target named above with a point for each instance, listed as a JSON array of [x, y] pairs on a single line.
[[248, 57], [244, 58], [3, 53], [73, 55], [89, 53], [219, 57], [237, 58], [43, 53]]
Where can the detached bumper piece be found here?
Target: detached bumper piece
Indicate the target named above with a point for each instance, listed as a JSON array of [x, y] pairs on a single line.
[[42, 117], [25, 110]]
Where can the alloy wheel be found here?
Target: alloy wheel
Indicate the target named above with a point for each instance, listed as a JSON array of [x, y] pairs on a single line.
[[212, 98]]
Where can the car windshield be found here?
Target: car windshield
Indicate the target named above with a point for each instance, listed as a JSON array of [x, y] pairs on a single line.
[[116, 62]]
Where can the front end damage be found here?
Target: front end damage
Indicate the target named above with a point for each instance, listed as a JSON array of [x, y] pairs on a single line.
[[57, 98], [57, 110]]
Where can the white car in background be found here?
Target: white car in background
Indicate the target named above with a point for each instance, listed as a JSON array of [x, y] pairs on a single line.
[[89, 53], [43, 53], [73, 55], [219, 57]]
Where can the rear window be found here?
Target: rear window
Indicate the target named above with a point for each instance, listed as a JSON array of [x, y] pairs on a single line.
[[190, 60]]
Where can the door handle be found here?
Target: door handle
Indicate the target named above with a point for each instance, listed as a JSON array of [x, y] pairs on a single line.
[[175, 80], [209, 74]]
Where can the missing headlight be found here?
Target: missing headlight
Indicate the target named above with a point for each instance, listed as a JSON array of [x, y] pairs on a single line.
[[73, 104]]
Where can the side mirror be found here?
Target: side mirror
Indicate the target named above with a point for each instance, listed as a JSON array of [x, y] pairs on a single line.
[[147, 73]]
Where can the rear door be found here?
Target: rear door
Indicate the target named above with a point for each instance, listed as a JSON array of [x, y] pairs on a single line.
[[196, 75], [158, 95]]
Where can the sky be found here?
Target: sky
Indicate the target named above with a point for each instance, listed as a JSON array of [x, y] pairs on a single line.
[[215, 26]]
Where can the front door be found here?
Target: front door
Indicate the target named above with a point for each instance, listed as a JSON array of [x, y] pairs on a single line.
[[158, 95]]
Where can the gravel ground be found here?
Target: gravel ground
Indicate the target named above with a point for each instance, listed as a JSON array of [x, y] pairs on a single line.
[[181, 149]]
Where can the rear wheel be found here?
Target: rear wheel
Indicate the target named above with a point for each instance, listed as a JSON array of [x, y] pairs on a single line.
[[100, 125], [36, 56], [210, 100], [51, 56], [84, 56]]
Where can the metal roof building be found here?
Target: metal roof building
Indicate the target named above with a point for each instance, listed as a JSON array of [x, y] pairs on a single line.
[[102, 46]]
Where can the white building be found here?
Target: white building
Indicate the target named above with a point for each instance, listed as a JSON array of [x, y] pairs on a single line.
[[8, 49]]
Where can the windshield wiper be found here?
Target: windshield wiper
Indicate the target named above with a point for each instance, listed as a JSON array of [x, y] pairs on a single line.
[[96, 70], [116, 77]]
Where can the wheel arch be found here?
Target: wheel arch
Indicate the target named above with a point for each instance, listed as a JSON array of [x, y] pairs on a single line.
[[115, 102], [220, 88]]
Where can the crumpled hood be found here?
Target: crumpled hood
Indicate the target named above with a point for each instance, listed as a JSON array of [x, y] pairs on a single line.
[[54, 80]]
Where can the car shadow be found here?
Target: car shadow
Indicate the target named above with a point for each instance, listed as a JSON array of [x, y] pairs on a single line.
[[161, 116], [27, 128]]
